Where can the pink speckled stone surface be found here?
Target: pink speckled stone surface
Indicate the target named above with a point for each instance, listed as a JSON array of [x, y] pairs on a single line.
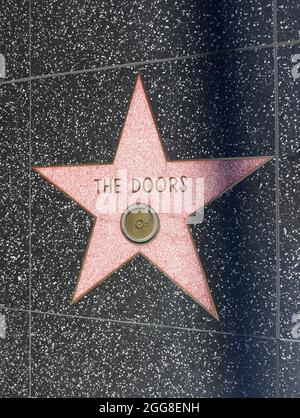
[[140, 152]]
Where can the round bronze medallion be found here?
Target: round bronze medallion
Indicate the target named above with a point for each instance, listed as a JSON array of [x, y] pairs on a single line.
[[139, 223]]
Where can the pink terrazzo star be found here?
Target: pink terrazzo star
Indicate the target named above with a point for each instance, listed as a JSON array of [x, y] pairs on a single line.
[[140, 154]]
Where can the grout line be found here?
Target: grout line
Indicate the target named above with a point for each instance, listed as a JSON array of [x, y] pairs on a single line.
[[277, 155], [141, 324], [277, 383], [148, 62], [29, 208], [14, 81], [289, 340], [287, 43], [150, 324], [277, 380]]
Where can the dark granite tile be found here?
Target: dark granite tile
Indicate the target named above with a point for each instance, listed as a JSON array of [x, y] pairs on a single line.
[[235, 242], [14, 39], [288, 17], [14, 153], [218, 106], [14, 354], [290, 368], [79, 118], [86, 358], [86, 34], [289, 124]]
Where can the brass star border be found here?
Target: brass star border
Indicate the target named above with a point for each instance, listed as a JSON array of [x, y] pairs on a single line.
[[172, 251]]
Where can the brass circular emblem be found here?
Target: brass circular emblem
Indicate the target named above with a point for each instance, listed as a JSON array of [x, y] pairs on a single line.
[[139, 223]]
